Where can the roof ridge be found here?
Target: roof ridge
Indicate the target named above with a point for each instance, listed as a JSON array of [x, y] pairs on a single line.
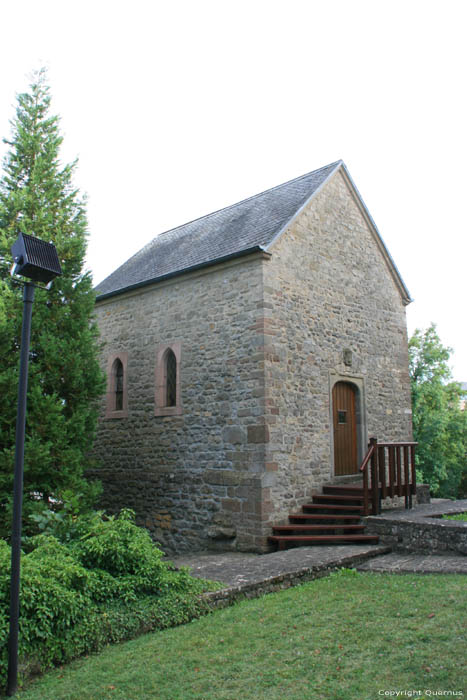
[[247, 199]]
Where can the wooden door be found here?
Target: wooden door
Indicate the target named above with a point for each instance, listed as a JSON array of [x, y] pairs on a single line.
[[345, 429]]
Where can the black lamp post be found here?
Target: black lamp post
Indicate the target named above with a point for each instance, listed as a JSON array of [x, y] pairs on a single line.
[[38, 261]]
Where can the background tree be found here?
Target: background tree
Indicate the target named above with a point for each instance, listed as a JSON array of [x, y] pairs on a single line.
[[440, 427], [37, 197]]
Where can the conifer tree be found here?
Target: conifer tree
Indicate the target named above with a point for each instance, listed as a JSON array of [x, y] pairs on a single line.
[[37, 197]]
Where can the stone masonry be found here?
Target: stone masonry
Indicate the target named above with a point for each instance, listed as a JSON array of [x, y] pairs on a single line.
[[263, 339], [327, 288], [195, 477]]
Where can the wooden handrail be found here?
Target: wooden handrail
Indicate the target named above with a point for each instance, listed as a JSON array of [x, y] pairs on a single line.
[[367, 457], [397, 444], [391, 476]]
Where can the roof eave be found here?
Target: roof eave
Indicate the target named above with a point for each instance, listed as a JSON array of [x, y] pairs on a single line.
[[186, 270]]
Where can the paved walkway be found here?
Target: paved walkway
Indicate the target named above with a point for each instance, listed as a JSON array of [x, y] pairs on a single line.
[[239, 569], [252, 574], [431, 510], [247, 573], [417, 564]]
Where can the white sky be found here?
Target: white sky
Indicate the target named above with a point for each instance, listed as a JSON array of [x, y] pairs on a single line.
[[177, 108]]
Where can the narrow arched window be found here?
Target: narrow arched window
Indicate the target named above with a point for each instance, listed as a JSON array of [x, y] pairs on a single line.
[[118, 374], [171, 379], [117, 390], [168, 396]]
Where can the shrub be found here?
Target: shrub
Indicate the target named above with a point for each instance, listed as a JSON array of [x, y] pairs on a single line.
[[105, 581], [119, 547], [67, 519]]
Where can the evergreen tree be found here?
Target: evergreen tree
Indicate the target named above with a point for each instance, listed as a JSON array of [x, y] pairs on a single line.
[[440, 427], [37, 197]]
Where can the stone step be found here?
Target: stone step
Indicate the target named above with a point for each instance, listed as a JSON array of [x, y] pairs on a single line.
[[318, 528], [343, 490], [305, 540], [324, 517], [326, 507], [337, 499], [334, 517]]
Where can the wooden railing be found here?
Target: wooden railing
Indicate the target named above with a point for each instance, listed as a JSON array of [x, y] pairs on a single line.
[[388, 469]]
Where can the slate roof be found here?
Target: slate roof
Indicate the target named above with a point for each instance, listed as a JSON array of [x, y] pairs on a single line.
[[252, 224], [248, 226]]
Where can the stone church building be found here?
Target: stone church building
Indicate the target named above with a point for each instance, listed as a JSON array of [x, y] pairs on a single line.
[[250, 355]]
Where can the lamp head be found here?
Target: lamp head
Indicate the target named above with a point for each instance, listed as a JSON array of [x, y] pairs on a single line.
[[35, 259]]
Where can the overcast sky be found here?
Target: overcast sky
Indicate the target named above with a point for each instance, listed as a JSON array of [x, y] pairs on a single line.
[[178, 108]]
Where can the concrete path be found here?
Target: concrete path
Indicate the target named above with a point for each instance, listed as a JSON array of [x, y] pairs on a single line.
[[251, 575], [417, 564], [239, 569]]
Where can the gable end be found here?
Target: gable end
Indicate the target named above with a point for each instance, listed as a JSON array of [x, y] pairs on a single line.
[[342, 168]]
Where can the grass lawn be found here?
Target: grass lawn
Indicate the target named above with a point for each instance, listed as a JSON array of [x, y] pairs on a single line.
[[344, 637], [458, 516]]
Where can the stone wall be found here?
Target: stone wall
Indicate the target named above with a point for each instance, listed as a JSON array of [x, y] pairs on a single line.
[[194, 479], [421, 537], [422, 530], [328, 289]]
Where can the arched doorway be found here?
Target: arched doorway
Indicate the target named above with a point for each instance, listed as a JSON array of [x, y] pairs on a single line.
[[345, 428]]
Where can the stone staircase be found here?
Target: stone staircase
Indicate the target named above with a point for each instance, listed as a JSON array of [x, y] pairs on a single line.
[[333, 517]]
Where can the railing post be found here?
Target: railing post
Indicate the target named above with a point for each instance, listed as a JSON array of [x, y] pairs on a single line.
[[399, 490], [382, 470], [374, 476], [406, 477], [365, 489], [391, 471], [413, 489]]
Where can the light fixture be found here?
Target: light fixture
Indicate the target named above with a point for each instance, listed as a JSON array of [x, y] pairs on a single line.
[[38, 261]]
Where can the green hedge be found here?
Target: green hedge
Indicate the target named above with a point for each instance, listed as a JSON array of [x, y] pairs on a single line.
[[104, 582]]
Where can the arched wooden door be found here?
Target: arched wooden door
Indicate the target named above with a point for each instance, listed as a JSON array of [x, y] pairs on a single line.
[[345, 428]]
